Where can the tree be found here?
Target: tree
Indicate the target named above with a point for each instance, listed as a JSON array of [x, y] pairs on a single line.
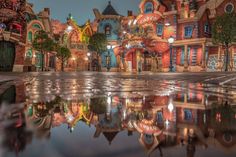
[[98, 43], [98, 105], [224, 32], [63, 54], [43, 43]]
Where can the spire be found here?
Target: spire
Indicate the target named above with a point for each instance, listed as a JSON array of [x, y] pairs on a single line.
[[109, 10]]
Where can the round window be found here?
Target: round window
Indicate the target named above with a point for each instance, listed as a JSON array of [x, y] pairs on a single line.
[[229, 8]]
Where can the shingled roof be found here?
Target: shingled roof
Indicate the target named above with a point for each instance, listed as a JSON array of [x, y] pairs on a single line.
[[109, 10]]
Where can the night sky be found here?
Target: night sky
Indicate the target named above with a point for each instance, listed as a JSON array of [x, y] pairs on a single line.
[[82, 10]]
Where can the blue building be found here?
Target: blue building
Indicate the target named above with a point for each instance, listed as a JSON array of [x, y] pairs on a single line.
[[109, 23]]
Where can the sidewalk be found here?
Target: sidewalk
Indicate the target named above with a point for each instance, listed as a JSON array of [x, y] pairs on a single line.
[[7, 78]]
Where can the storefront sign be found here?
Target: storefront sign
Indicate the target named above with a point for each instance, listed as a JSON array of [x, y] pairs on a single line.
[[150, 18]]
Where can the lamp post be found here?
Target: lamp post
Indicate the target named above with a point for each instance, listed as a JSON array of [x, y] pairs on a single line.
[[108, 58], [171, 41], [89, 56]]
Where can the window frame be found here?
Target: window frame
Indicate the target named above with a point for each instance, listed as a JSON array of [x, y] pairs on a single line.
[[190, 31], [160, 25]]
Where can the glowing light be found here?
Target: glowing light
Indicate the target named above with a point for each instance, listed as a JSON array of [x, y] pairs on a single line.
[[167, 24], [88, 54], [109, 99], [109, 47], [170, 106], [171, 40], [130, 22], [73, 58], [167, 122], [69, 28]]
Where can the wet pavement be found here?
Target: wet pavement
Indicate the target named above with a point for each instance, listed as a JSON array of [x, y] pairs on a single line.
[[113, 114]]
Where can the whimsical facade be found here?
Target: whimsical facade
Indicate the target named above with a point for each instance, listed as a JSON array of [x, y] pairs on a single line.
[[109, 23], [76, 38], [12, 35], [145, 36], [34, 60], [137, 42]]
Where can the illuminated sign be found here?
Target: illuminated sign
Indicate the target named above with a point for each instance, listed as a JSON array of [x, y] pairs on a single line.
[[150, 18]]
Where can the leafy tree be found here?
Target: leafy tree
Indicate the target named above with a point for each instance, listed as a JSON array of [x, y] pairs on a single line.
[[98, 43], [63, 54], [224, 32], [98, 105], [43, 43]]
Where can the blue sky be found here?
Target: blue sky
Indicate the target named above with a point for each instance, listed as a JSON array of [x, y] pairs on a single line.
[[83, 9]]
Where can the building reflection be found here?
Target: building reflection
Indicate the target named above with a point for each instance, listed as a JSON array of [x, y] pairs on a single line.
[[191, 120]]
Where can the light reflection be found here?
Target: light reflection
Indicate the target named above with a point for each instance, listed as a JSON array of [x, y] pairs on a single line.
[[149, 114]]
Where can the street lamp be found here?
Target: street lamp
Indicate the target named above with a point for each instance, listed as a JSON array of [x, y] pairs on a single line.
[[171, 41], [108, 58], [88, 55]]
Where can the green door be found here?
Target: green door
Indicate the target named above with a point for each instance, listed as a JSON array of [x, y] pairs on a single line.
[[39, 60], [7, 56]]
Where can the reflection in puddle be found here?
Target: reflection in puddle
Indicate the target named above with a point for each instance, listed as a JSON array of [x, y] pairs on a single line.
[[163, 121]]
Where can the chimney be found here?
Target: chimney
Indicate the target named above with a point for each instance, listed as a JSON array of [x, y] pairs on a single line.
[[130, 13], [47, 10]]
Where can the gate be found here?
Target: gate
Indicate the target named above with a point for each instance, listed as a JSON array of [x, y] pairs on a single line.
[[7, 56]]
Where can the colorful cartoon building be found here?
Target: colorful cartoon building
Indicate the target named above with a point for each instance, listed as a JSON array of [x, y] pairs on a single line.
[[35, 60], [145, 36], [109, 23]]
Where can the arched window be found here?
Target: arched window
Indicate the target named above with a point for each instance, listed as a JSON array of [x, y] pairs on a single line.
[[29, 53], [30, 36], [107, 30], [37, 26], [149, 7]]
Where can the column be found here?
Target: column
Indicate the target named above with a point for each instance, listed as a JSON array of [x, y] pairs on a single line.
[[219, 59], [203, 56], [233, 63], [185, 58], [185, 98]]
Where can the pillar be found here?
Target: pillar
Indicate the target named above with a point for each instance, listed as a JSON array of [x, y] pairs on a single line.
[[233, 63], [185, 58], [19, 58], [185, 98], [219, 59], [203, 56]]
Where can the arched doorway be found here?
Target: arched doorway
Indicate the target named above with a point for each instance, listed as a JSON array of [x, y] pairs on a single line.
[[7, 56]]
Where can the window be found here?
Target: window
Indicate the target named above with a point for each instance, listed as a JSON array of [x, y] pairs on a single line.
[[37, 26], [107, 30], [159, 29], [29, 53], [148, 7], [188, 31], [182, 56], [160, 117], [229, 8], [30, 36], [187, 115], [207, 29]]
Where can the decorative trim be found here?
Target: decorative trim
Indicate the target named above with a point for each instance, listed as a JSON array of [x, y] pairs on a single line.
[[227, 6]]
